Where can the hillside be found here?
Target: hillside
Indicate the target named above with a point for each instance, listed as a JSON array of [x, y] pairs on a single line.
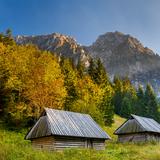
[[14, 147], [120, 53], [32, 78]]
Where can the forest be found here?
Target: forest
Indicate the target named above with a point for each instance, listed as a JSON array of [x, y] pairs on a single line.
[[31, 79]]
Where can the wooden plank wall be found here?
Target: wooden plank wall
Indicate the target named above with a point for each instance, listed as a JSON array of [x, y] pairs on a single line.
[[43, 143], [67, 142], [132, 138], [61, 143], [153, 137], [98, 144], [139, 137]]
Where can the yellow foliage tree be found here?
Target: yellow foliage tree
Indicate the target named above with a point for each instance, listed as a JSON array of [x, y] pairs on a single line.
[[90, 95], [33, 80]]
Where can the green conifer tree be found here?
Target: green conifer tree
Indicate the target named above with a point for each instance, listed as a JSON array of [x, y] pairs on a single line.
[[126, 109], [151, 103], [140, 105], [69, 73], [118, 94], [80, 69], [101, 74], [92, 69]]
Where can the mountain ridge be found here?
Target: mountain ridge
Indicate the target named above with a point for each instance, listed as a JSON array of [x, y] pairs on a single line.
[[121, 54], [124, 55], [58, 43]]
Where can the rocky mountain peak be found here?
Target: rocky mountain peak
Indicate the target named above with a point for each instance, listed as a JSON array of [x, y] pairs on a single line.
[[108, 42], [113, 39], [54, 39], [124, 55], [58, 43]]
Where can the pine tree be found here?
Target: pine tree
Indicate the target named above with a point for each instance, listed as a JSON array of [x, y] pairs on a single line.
[[98, 74], [107, 107], [69, 72], [92, 69], [151, 102], [101, 74], [9, 33], [140, 105], [80, 69], [125, 96], [126, 109], [8, 38], [118, 94]]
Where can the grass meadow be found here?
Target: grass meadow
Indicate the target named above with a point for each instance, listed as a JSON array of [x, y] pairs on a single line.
[[14, 147]]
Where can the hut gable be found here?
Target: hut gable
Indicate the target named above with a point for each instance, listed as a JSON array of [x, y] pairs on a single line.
[[138, 124], [64, 123], [40, 129], [129, 127], [149, 124]]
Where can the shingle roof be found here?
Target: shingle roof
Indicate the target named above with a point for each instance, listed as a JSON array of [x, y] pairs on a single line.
[[65, 123], [138, 124]]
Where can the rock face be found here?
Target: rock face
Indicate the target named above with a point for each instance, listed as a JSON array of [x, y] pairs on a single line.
[[124, 55], [121, 54], [57, 43]]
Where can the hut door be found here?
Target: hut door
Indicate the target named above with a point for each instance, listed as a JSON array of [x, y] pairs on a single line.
[[89, 143]]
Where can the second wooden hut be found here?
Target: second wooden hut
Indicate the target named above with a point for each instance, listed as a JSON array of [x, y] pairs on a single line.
[[138, 129]]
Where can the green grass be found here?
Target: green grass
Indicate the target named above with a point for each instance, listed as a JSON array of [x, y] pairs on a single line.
[[14, 147], [117, 122]]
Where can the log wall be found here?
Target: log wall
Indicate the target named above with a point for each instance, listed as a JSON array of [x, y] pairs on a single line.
[[139, 137], [99, 144], [153, 137], [132, 138], [60, 143], [68, 142], [43, 143]]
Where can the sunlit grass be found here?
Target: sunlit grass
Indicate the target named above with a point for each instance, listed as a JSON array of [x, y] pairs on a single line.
[[14, 147]]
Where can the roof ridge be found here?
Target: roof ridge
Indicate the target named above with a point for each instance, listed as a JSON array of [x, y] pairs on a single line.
[[60, 110], [134, 115]]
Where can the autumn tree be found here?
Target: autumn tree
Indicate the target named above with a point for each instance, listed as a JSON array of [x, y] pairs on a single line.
[[33, 81], [89, 96]]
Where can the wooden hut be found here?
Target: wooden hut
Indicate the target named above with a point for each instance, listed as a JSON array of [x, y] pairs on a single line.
[[138, 129], [57, 129]]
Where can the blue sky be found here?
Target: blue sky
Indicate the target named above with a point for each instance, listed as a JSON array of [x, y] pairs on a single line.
[[84, 19]]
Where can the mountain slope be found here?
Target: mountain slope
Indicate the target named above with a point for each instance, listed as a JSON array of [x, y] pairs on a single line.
[[124, 55], [121, 54], [57, 43]]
